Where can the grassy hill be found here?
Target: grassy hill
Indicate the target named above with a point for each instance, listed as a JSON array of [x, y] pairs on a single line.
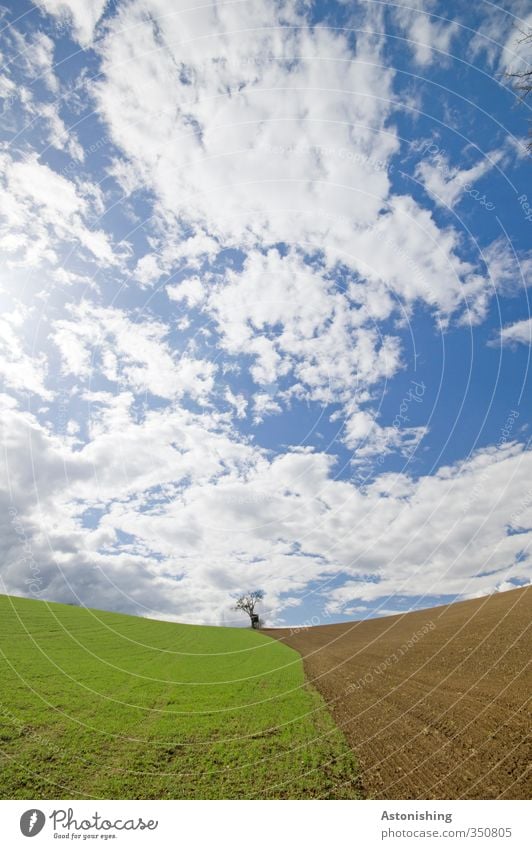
[[104, 705]]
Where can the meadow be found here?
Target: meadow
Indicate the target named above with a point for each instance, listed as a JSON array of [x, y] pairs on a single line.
[[104, 705]]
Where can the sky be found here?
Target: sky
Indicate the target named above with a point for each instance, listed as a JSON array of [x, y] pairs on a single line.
[[265, 319]]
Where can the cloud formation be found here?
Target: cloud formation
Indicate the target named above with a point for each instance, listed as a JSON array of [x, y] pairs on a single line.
[[241, 245]]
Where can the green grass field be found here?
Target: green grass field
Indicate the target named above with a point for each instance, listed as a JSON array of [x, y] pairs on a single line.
[[97, 704]]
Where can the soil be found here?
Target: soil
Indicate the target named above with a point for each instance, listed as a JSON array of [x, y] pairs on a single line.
[[433, 703]]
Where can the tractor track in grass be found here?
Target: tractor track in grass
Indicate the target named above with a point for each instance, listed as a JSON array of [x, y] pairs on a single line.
[[434, 703]]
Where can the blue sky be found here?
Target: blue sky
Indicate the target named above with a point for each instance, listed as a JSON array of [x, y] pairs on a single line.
[[265, 318]]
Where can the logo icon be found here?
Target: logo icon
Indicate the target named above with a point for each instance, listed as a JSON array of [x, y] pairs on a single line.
[[32, 822]]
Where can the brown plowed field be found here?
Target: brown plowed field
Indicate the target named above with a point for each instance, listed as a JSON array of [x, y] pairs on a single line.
[[434, 703]]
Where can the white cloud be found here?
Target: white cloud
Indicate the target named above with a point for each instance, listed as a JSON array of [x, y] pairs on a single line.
[[292, 318], [509, 271], [518, 333], [367, 438], [147, 270], [7, 90], [20, 370], [429, 36], [447, 184], [419, 261], [190, 290], [289, 272], [42, 210], [206, 514], [36, 56], [516, 54], [174, 250], [133, 354], [296, 326], [83, 15], [209, 79], [254, 169], [58, 134], [238, 402], [264, 405]]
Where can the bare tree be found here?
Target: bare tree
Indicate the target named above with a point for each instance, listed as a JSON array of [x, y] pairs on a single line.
[[522, 80], [247, 603]]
